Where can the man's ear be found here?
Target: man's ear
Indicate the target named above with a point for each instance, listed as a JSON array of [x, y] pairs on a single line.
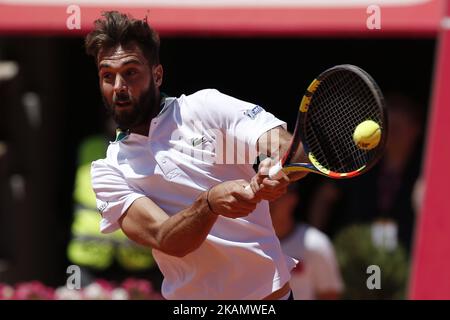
[[158, 73]]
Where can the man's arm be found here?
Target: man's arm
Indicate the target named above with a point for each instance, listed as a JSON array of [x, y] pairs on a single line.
[[275, 143], [147, 224]]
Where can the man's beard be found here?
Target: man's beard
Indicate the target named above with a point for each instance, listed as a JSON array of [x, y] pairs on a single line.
[[141, 109]]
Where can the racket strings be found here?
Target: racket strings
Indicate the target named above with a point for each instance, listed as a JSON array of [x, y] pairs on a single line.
[[341, 102]]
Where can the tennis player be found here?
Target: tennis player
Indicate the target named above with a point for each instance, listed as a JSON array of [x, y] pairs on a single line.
[[168, 181]]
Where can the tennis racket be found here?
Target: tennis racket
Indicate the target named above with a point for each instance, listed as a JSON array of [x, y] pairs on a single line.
[[334, 104]]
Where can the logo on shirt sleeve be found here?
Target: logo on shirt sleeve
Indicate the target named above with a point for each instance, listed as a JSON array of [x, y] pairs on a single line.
[[101, 206], [253, 112]]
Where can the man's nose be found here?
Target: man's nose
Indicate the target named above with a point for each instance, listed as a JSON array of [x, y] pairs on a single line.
[[120, 84]]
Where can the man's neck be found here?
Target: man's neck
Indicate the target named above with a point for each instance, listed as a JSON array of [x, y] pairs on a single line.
[[144, 128]]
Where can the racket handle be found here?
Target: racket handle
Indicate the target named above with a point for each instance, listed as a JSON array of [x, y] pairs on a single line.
[[276, 173]]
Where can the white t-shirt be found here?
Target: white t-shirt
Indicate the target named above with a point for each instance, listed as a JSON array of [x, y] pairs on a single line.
[[181, 157], [318, 269]]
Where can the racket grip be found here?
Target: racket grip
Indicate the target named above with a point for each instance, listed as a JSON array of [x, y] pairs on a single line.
[[275, 173]]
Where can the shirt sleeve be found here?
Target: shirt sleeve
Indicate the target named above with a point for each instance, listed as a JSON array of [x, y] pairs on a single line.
[[113, 194], [244, 120]]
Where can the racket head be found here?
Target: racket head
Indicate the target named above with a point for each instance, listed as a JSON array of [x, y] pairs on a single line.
[[335, 102]]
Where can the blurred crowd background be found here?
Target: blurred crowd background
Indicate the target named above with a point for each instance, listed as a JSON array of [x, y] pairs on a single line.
[[53, 124]]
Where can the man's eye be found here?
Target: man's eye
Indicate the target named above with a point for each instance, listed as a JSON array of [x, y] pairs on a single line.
[[131, 72], [107, 76]]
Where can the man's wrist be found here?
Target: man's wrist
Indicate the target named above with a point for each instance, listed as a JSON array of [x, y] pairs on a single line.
[[208, 203]]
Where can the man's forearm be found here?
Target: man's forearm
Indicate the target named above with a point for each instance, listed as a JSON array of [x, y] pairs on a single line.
[[276, 142], [185, 231], [147, 224]]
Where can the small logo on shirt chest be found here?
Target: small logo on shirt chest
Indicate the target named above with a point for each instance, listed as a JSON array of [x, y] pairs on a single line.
[[198, 141]]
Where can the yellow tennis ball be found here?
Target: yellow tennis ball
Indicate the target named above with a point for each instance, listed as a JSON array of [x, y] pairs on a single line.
[[367, 135]]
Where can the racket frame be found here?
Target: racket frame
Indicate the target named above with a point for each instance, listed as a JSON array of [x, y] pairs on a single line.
[[299, 131]]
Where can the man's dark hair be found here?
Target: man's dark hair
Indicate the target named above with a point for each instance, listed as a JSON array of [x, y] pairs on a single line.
[[116, 28]]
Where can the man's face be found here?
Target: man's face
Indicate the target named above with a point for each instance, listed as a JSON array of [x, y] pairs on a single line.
[[127, 85]]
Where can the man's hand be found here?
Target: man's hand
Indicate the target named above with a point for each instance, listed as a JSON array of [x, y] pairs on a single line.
[[275, 143], [266, 188], [231, 199]]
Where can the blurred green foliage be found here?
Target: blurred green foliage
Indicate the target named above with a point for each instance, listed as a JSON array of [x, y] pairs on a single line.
[[356, 252]]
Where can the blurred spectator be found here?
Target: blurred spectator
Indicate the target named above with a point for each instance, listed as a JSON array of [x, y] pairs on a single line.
[[111, 256], [322, 203], [316, 275], [418, 195]]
